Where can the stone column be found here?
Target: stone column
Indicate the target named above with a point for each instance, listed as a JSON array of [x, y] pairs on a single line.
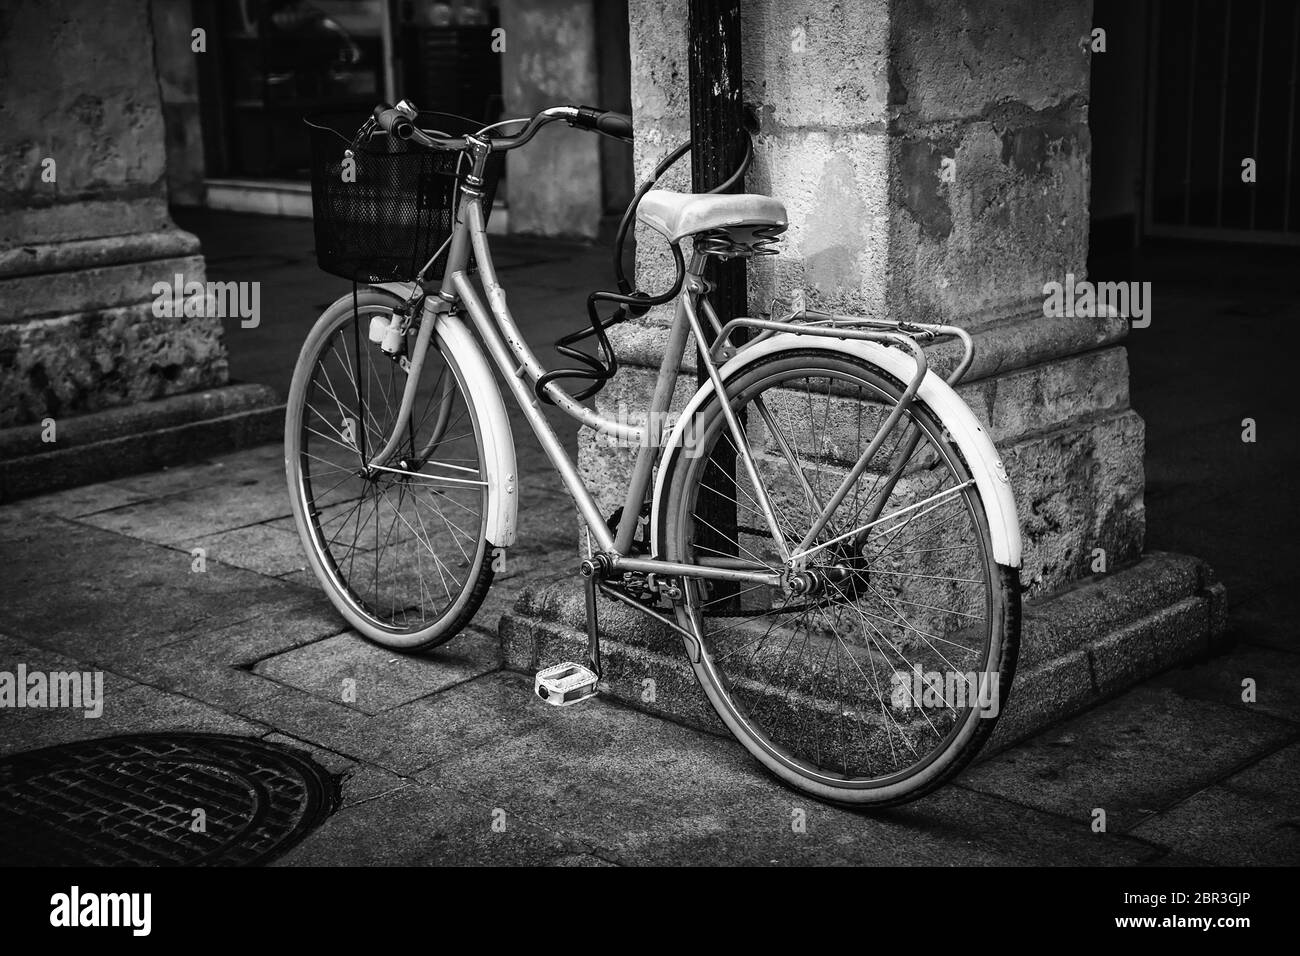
[[84, 236], [550, 59], [178, 83], [934, 161]]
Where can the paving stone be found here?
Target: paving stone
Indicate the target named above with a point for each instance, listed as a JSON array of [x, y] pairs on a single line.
[[421, 733], [14, 650], [1023, 834], [1274, 779], [358, 783], [1225, 827], [21, 526], [420, 825], [364, 784], [382, 678], [1276, 675], [205, 678], [151, 709], [305, 580], [131, 710], [1269, 617], [1136, 755], [646, 791], [311, 719], [261, 462], [236, 647], [294, 620], [20, 725], [258, 547], [84, 500], [336, 764], [83, 590], [199, 511]]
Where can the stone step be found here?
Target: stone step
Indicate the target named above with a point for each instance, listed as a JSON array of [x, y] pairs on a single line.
[[1078, 646], [146, 436]]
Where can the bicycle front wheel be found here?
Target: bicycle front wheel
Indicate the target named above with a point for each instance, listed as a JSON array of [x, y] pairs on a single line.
[[878, 677], [401, 547]]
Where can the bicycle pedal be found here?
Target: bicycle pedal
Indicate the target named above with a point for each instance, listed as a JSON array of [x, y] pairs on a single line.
[[565, 684]]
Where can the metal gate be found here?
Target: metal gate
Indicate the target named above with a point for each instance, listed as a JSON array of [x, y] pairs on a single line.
[[1221, 106]]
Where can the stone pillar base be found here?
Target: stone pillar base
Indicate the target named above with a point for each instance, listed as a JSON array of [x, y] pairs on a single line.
[[79, 331], [1078, 646], [145, 436]]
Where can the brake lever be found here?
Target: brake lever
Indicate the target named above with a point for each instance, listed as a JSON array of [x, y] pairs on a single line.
[[364, 134]]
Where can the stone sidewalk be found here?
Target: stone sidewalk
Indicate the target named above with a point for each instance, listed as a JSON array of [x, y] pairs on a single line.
[[102, 577], [434, 747]]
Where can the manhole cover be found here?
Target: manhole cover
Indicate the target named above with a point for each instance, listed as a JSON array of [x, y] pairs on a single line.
[[159, 800]]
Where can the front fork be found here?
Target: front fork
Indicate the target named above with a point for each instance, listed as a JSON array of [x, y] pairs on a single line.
[[413, 364]]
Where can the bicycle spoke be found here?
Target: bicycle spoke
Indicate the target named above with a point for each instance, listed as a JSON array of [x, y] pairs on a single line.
[[399, 558], [828, 679]]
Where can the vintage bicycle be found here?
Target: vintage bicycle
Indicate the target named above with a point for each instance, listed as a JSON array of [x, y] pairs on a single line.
[[831, 532]]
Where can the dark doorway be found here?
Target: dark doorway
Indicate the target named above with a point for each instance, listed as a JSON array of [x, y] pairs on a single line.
[[1169, 207]]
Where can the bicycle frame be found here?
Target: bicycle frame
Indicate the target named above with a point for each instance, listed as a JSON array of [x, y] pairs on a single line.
[[520, 368], [820, 511]]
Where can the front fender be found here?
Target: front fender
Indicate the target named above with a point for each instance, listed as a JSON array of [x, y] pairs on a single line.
[[454, 339]]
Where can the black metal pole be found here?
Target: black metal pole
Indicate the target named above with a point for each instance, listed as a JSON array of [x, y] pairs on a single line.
[[717, 149], [717, 127]]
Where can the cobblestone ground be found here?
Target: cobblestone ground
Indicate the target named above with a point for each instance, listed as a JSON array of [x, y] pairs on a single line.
[[435, 747]]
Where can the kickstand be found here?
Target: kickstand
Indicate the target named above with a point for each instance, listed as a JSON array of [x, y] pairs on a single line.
[[593, 635]]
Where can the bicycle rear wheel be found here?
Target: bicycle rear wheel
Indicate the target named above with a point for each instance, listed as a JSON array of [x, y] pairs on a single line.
[[400, 549], [881, 680]]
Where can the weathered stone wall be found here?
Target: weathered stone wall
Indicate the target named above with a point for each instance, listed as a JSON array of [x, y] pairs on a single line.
[[550, 59], [998, 92], [818, 77], [83, 241], [934, 160], [178, 83], [79, 87], [1000, 88]]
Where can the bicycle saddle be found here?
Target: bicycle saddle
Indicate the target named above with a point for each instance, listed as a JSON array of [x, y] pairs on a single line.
[[676, 215]]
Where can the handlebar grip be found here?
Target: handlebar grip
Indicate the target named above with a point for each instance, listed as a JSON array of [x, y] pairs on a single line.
[[615, 124], [604, 121], [394, 122]]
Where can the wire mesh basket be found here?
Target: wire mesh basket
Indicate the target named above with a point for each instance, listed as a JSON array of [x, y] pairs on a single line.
[[383, 216]]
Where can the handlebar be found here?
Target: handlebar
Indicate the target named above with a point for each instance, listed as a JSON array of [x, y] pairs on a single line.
[[399, 121], [618, 125], [393, 121]]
